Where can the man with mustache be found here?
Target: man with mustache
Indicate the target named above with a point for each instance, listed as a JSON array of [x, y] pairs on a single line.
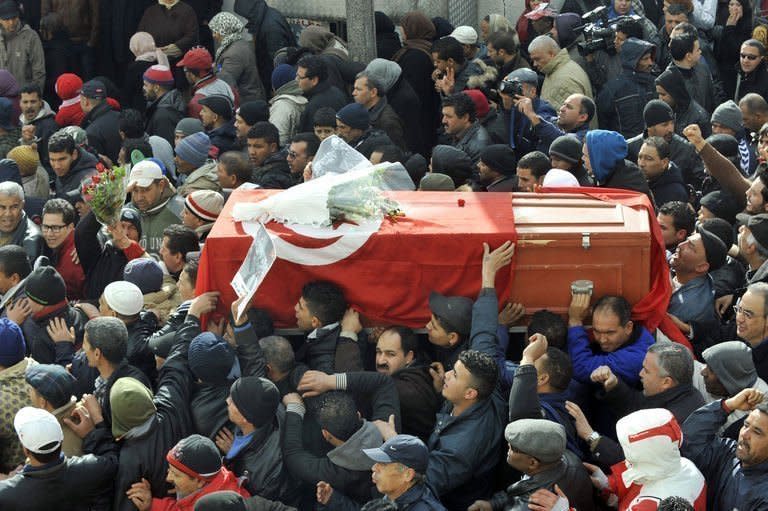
[[397, 355], [735, 470], [37, 121]]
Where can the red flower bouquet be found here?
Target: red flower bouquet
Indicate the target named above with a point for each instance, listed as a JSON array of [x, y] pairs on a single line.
[[105, 193]]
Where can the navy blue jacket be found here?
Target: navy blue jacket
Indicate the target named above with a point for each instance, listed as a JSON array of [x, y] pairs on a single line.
[[463, 450], [729, 484]]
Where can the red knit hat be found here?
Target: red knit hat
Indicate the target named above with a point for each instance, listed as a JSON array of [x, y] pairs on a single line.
[[160, 75], [480, 101], [68, 86]]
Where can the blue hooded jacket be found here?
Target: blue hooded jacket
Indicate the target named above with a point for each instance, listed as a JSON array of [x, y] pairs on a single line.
[[606, 150]]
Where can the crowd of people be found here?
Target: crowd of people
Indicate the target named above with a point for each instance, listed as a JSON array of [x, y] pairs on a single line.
[[112, 395]]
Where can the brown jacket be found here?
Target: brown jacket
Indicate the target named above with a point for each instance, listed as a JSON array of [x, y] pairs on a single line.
[[80, 18]]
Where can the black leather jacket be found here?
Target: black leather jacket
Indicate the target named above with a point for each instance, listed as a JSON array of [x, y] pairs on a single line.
[[79, 483], [28, 236]]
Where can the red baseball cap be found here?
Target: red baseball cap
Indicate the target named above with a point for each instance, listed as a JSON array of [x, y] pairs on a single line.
[[198, 58]]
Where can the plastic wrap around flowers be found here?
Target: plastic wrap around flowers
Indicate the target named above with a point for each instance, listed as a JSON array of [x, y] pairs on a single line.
[[105, 193], [355, 196]]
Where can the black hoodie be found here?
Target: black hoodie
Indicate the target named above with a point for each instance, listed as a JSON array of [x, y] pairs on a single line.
[[687, 111]]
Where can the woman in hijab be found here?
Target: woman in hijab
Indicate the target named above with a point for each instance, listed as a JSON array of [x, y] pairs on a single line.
[[142, 45], [235, 61], [415, 60], [387, 40]]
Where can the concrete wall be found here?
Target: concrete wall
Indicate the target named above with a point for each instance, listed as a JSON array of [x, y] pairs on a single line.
[[335, 9]]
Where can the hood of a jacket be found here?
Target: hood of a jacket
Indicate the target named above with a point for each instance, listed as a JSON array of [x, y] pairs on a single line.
[[172, 100], [85, 161], [488, 75], [350, 454], [605, 149], [254, 11], [674, 83], [167, 195], [651, 443], [289, 90], [17, 371], [44, 112], [670, 176], [632, 51], [558, 60]]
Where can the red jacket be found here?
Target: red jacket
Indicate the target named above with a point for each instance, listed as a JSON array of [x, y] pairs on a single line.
[[225, 480], [73, 274]]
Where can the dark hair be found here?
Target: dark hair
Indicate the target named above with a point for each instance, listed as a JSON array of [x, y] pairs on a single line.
[[132, 123], [658, 143], [313, 143], [675, 503], [408, 339], [754, 43], [537, 162], [278, 352], [681, 44], [60, 207], [449, 48], [391, 153], [462, 105], [14, 261], [676, 9], [31, 88], [617, 305], [630, 27], [483, 370], [137, 144], [503, 40], [181, 240], [683, 216], [49, 457], [337, 414], [61, 142], [235, 163], [550, 325], [754, 103], [372, 82], [325, 300], [558, 366], [315, 66], [190, 267], [587, 107], [325, 116], [110, 335], [266, 131]]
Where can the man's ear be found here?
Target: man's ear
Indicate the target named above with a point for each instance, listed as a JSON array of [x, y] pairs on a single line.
[[316, 323], [453, 339]]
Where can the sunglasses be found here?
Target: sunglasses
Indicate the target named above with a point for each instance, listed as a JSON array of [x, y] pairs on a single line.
[[749, 57]]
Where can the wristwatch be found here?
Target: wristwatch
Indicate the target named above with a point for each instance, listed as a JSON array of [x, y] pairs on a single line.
[[593, 439]]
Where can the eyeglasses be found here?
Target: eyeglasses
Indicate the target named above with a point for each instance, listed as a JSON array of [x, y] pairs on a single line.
[[749, 56], [738, 309], [56, 229], [292, 154], [301, 77]]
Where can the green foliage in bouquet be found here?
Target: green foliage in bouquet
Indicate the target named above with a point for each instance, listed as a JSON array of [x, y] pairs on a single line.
[[360, 199], [105, 193]]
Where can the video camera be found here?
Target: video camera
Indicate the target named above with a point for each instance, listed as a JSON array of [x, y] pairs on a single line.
[[599, 32], [511, 87]]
